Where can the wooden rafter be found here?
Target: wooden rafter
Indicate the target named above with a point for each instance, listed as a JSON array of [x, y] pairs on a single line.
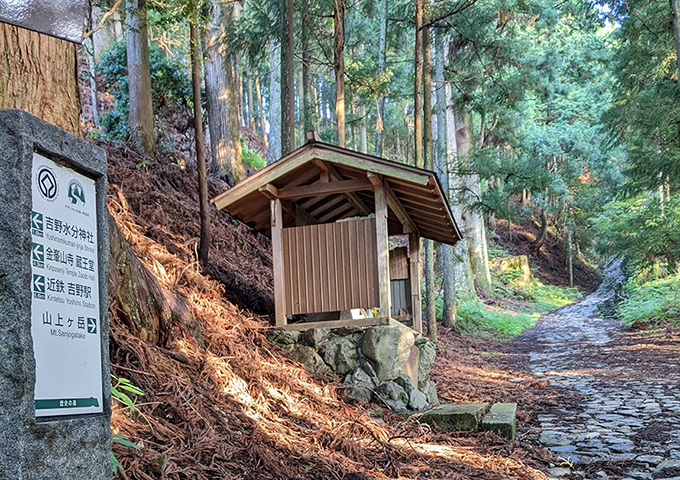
[[351, 197], [324, 188]]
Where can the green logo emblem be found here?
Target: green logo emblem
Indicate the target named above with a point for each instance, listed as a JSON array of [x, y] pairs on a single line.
[[76, 193]]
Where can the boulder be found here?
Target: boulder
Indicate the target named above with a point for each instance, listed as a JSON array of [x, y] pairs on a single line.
[[417, 400], [314, 337], [340, 354], [348, 331], [393, 396], [430, 391], [427, 352], [405, 382], [361, 385], [283, 337], [309, 359], [389, 348]]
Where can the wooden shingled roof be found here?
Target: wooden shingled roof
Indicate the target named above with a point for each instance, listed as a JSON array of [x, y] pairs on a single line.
[[323, 183]]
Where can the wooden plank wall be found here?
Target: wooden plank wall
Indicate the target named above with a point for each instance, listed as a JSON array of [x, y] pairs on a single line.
[[398, 263], [330, 267]]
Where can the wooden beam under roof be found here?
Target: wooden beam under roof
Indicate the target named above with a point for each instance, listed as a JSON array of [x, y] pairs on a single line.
[[351, 197], [333, 154], [394, 203], [324, 188]]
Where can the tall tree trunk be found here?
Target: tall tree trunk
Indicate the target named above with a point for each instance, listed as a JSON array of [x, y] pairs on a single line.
[[339, 62], [474, 222], [260, 110], [363, 144], [418, 86], [287, 81], [449, 307], [251, 109], [225, 143], [139, 78], [39, 75], [275, 135], [429, 164], [307, 105], [676, 31], [380, 102], [200, 144]]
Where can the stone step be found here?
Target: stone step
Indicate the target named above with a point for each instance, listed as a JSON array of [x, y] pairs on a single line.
[[501, 419], [464, 417]]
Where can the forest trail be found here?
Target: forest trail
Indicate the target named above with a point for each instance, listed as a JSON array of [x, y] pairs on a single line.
[[621, 408]]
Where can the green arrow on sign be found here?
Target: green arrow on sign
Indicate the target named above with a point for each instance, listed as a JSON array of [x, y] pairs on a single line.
[[38, 252], [37, 220], [91, 325], [38, 283], [66, 403]]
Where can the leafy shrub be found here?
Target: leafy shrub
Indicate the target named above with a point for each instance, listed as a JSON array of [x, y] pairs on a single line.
[[170, 86], [252, 158], [650, 300]]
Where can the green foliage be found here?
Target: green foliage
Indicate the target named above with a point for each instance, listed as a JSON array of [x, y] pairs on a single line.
[[252, 157], [170, 87], [118, 388], [642, 229], [530, 299], [650, 301]]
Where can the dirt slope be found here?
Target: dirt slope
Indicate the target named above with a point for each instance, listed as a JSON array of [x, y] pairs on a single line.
[[551, 258]]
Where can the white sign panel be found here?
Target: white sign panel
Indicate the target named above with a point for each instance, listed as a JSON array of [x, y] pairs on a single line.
[[65, 291]]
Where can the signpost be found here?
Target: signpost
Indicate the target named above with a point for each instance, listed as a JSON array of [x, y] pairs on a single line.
[[55, 400], [65, 300]]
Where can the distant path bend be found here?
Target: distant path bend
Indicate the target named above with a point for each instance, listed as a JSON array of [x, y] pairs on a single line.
[[628, 417]]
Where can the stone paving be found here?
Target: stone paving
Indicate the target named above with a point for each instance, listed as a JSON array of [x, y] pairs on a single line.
[[629, 409]]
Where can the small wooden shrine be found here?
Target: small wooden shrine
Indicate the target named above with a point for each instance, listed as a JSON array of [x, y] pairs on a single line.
[[330, 212]]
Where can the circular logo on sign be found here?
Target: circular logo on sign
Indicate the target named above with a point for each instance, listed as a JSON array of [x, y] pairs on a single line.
[[76, 193], [47, 183]]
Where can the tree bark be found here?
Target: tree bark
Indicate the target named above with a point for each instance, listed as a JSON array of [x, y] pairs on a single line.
[[260, 110], [339, 63], [275, 135], [287, 81], [429, 164], [139, 299], [225, 143], [146, 308], [380, 102], [307, 104], [363, 142], [418, 86], [139, 78], [39, 76], [204, 213], [474, 222], [449, 305], [676, 32], [251, 109]]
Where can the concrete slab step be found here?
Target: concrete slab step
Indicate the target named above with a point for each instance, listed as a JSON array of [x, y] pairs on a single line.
[[464, 417], [501, 419]]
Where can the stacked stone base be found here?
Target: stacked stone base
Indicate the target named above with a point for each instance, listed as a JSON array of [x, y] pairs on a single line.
[[388, 364]]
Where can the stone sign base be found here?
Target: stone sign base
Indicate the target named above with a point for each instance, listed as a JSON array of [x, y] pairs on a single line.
[[76, 447]]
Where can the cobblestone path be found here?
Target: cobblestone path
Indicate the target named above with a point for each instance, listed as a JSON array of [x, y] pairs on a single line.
[[627, 390]]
